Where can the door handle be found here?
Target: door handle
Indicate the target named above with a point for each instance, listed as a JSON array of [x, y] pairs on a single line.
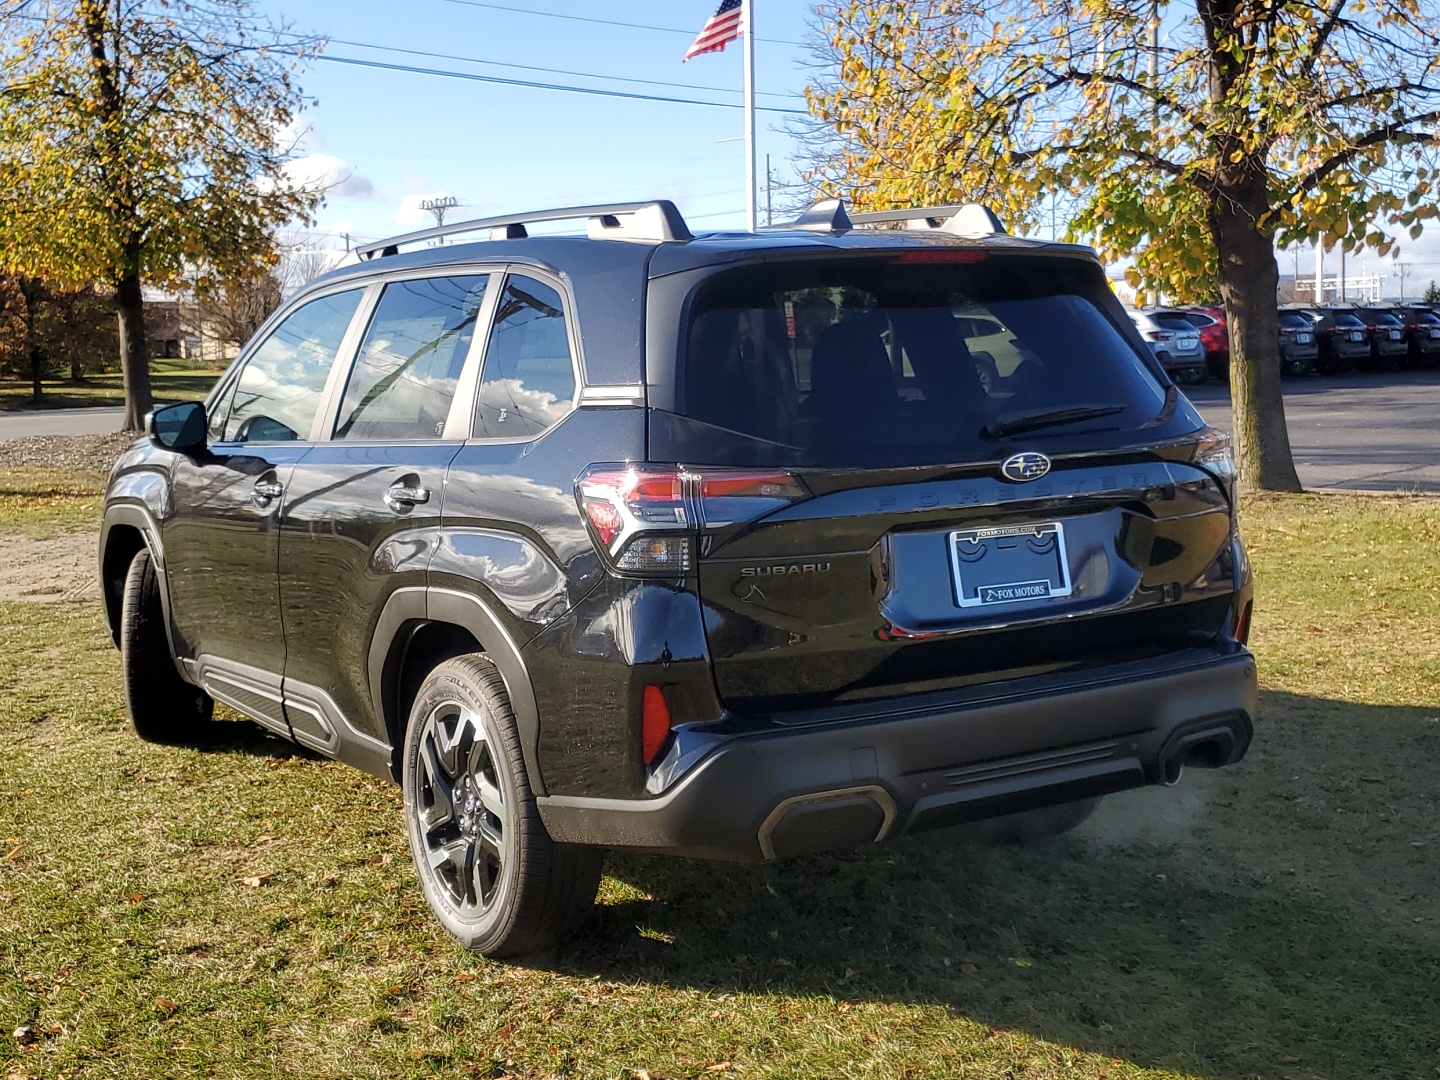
[[265, 490], [403, 496]]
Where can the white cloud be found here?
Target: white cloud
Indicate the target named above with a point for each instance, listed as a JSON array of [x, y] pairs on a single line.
[[329, 173]]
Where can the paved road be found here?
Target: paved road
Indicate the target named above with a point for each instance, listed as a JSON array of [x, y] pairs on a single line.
[[20, 425], [1362, 432]]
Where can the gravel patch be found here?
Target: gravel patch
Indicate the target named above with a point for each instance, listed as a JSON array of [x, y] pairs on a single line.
[[59, 568], [84, 453]]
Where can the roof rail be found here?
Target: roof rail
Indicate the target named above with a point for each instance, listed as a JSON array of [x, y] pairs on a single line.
[[654, 222], [826, 215], [971, 219]]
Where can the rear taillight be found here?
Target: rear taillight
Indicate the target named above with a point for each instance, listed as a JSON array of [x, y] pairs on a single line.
[[1159, 335], [644, 518], [1214, 452]]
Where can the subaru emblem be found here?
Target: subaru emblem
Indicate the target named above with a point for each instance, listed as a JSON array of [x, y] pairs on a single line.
[[1027, 466]]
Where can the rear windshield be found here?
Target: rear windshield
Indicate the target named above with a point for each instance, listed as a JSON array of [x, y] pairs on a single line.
[[895, 361], [1175, 322], [1294, 322], [1344, 318], [1427, 317]]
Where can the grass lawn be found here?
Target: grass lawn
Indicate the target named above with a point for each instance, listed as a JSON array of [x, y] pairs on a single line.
[[1277, 919], [171, 380]]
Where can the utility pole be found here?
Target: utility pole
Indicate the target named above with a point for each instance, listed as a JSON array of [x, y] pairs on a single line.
[[1320, 270], [1401, 267], [346, 237], [1154, 67], [1342, 273], [769, 184], [439, 206]]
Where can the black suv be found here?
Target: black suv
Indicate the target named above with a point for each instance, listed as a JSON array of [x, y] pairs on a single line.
[[1422, 335], [726, 545]]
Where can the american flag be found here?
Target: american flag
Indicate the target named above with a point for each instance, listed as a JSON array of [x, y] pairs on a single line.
[[724, 26]]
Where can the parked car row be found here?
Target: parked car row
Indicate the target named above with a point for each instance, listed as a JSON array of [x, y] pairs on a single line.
[[1195, 341]]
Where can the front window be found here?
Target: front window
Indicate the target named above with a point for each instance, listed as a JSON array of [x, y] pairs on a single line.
[[278, 391]]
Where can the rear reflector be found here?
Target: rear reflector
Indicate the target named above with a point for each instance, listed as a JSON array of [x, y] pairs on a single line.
[[1242, 624], [654, 723]]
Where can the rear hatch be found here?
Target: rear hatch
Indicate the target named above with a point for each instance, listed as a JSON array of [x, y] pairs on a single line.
[[974, 473]]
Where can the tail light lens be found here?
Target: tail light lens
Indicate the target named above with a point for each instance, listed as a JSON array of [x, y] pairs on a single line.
[[1159, 335], [644, 518], [1214, 452]]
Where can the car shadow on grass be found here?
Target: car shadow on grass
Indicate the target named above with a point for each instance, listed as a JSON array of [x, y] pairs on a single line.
[[1272, 919], [230, 733]]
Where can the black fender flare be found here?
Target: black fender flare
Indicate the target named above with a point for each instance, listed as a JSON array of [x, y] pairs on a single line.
[[468, 611], [138, 517]]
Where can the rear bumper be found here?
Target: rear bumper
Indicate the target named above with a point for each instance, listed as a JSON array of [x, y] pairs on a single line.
[[1000, 751]]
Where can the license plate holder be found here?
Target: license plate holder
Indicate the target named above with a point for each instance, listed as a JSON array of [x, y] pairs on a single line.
[[1007, 564]]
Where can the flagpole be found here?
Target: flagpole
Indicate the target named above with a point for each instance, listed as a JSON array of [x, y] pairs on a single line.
[[751, 209]]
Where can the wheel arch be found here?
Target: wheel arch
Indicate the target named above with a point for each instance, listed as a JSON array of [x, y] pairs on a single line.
[[125, 532], [420, 628]]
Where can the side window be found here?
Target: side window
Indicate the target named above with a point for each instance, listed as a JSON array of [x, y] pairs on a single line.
[[279, 389], [405, 374], [528, 382]]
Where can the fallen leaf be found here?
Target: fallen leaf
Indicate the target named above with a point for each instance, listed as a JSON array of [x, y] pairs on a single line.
[[465, 976], [642, 1074], [255, 881], [718, 1067], [134, 898], [869, 1038], [12, 853], [25, 1035], [166, 1005], [547, 1016], [1315, 630]]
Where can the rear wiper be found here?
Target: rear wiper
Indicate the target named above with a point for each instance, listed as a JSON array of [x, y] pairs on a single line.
[[1015, 422]]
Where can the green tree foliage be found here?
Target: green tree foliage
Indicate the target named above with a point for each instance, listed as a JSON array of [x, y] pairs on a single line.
[[1432, 294], [137, 141], [44, 331], [1245, 124]]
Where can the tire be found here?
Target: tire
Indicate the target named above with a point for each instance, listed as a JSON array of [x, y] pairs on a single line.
[[163, 707], [488, 869]]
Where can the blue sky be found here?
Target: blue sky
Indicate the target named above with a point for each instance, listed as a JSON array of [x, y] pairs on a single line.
[[388, 139]]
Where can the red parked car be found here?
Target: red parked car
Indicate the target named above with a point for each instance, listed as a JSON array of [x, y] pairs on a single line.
[[1214, 335]]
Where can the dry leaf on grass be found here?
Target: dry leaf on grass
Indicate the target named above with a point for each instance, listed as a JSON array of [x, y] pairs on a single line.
[[255, 881]]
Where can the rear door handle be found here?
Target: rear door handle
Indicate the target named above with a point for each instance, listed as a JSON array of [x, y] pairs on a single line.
[[404, 496], [265, 490]]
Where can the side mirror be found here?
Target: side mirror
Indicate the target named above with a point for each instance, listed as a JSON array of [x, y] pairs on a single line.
[[178, 427]]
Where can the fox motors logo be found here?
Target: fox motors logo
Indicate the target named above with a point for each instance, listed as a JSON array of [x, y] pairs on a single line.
[[1027, 466], [785, 570]]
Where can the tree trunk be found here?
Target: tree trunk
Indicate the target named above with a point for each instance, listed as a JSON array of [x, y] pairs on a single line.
[[30, 290], [134, 361], [1249, 277]]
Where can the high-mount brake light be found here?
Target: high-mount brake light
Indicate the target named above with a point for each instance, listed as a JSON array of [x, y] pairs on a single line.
[[963, 255], [644, 518]]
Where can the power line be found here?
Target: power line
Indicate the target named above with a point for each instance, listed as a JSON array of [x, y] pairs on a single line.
[[592, 90], [546, 70], [511, 9]]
